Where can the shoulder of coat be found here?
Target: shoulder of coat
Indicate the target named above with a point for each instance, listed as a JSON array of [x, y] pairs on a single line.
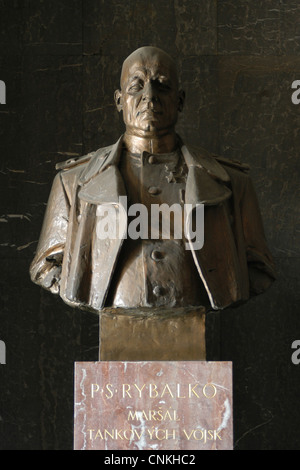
[[236, 164], [73, 162], [77, 161]]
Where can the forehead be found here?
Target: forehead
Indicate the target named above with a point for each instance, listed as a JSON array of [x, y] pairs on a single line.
[[149, 65]]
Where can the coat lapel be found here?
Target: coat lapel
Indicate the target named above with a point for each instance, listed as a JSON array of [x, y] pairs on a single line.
[[101, 182], [218, 268], [206, 181]]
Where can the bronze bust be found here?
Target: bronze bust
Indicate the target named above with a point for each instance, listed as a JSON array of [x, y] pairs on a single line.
[[150, 164]]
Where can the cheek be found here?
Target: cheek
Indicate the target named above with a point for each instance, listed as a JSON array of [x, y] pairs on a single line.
[[169, 101], [129, 107], [170, 108]]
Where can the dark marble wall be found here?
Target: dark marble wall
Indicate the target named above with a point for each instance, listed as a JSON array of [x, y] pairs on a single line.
[[61, 64]]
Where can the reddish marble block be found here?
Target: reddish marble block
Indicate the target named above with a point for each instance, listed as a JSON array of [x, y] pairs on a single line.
[[153, 406]]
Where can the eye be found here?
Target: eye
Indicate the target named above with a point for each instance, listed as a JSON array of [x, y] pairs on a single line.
[[163, 85], [135, 86]]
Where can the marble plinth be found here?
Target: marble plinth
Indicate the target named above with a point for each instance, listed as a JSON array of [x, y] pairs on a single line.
[[154, 405]]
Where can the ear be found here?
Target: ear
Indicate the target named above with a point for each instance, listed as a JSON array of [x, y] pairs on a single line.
[[118, 100], [181, 99]]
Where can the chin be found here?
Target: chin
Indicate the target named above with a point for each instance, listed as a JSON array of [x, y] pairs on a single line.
[[150, 128], [153, 124]]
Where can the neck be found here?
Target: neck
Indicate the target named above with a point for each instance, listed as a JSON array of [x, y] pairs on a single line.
[[157, 144]]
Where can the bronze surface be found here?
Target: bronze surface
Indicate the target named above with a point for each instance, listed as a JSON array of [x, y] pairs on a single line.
[[151, 164]]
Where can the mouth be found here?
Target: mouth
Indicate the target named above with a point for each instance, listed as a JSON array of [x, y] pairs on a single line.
[[149, 113]]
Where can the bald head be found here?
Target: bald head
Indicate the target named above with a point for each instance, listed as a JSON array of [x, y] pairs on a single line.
[[149, 56], [149, 97]]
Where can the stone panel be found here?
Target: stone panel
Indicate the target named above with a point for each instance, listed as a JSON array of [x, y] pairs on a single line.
[[153, 406]]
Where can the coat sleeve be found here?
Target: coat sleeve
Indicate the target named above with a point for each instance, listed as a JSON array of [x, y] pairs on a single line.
[[45, 269], [261, 267]]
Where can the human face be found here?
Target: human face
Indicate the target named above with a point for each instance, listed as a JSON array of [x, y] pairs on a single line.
[[149, 96]]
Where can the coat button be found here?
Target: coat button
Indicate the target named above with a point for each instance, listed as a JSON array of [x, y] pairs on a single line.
[[158, 291], [152, 159], [154, 190], [157, 255]]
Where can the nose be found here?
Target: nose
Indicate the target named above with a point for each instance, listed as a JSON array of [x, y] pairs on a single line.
[[149, 93]]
